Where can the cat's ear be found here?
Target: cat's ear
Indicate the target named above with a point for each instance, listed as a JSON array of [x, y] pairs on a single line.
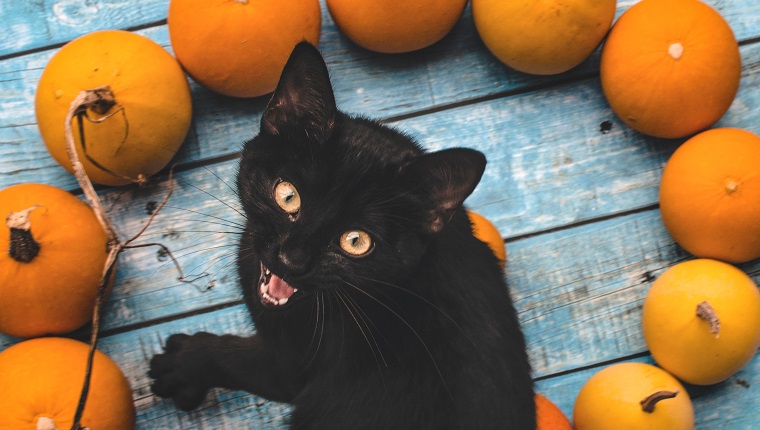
[[303, 101], [444, 179]]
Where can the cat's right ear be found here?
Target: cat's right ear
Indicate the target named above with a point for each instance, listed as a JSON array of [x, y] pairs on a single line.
[[443, 180], [303, 102]]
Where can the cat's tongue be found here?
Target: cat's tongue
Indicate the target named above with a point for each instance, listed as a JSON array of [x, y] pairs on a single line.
[[279, 289]]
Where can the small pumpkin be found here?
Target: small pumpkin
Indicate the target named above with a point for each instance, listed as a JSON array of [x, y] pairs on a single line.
[[670, 68], [633, 396], [484, 230], [395, 27], [710, 195], [701, 320], [238, 48], [138, 124], [542, 37], [41, 381], [53, 252], [549, 416]]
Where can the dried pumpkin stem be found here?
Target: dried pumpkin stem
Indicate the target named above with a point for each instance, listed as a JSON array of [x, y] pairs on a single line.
[[648, 404], [23, 247], [707, 313], [100, 100]]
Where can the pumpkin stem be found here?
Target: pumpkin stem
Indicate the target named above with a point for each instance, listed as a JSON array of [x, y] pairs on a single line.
[[675, 50], [45, 423], [707, 313], [648, 404], [731, 186], [23, 248]]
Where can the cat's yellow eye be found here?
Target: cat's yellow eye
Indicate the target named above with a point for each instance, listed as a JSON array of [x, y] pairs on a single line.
[[287, 197], [356, 242]]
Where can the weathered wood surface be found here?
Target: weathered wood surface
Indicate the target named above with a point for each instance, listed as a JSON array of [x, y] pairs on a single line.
[[576, 201]]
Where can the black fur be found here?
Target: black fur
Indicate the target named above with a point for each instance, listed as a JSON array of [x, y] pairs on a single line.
[[420, 333]]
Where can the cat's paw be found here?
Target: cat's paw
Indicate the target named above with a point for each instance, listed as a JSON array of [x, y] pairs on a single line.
[[180, 372]]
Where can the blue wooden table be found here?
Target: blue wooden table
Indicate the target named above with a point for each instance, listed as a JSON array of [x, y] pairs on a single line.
[[571, 188]]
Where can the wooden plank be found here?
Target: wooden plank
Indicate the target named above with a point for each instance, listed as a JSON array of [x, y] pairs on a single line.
[[579, 291], [566, 138], [457, 69], [39, 24]]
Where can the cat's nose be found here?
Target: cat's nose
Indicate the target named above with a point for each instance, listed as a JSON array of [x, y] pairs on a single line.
[[295, 261]]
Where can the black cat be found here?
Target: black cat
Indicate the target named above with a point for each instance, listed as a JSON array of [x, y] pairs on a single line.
[[375, 306]]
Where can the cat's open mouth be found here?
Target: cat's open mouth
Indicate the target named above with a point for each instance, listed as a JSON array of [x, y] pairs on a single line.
[[273, 290]]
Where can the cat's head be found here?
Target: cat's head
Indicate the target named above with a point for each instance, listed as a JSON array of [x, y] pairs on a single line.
[[337, 203]]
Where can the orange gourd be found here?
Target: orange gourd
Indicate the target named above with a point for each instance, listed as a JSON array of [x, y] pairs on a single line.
[[141, 129], [670, 68], [395, 26], [239, 47], [41, 381], [701, 320], [633, 396], [484, 230], [542, 37], [50, 266], [549, 416], [710, 195]]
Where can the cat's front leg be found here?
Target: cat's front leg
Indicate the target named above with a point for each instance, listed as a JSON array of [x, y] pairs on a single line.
[[193, 364]]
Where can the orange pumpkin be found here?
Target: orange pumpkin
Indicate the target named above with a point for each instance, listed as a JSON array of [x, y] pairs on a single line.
[[542, 37], [701, 320], [549, 416], [710, 195], [633, 396], [670, 68], [484, 230], [239, 48], [395, 26], [146, 126], [50, 267], [41, 381]]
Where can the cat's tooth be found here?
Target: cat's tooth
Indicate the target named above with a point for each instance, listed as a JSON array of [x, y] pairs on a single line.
[[295, 290], [282, 301]]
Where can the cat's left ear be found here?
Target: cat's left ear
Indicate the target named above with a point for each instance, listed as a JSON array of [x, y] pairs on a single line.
[[443, 180], [303, 101]]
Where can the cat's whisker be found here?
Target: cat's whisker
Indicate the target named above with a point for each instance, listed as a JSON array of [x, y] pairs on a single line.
[[207, 233], [372, 343], [239, 212], [319, 325], [424, 300], [233, 190], [181, 256], [408, 325], [211, 263], [223, 221]]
